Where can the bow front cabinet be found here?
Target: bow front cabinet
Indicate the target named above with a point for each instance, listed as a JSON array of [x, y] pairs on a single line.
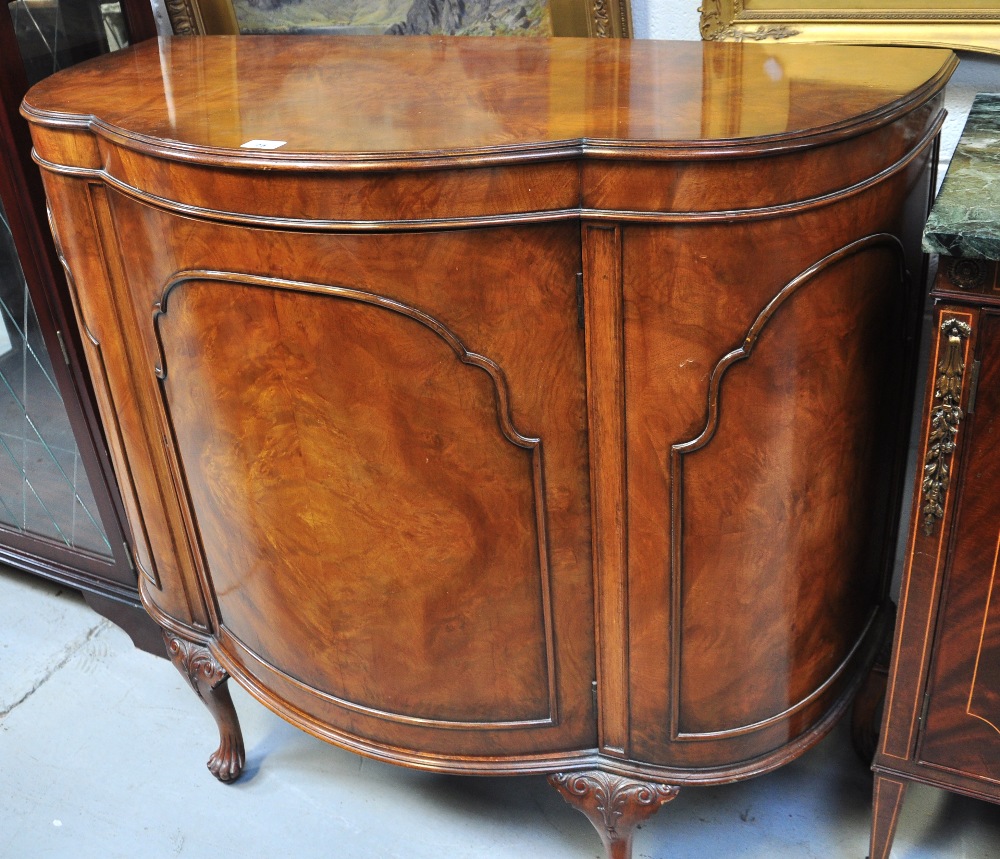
[[500, 406]]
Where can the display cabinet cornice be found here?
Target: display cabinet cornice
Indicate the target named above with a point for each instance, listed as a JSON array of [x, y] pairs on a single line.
[[507, 406]]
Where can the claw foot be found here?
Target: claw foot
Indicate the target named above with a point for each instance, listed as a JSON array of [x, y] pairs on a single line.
[[208, 679], [226, 762]]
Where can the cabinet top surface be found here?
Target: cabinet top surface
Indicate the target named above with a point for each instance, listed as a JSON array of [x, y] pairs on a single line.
[[373, 97], [965, 220]]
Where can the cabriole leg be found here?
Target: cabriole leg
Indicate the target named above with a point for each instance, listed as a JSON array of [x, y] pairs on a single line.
[[887, 800], [208, 679], [613, 804]]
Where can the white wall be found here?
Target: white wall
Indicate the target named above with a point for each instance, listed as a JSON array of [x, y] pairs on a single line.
[[665, 19], [678, 19], [976, 73]]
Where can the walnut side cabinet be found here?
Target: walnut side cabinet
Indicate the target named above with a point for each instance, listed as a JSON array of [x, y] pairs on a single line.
[[507, 406]]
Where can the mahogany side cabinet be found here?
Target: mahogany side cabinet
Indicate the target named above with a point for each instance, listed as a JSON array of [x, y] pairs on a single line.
[[941, 725], [507, 406]]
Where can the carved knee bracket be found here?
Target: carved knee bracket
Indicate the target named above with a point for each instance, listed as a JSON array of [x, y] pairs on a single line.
[[208, 679], [613, 804]]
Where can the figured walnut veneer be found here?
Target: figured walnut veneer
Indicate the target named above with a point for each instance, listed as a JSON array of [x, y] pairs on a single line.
[[534, 407]]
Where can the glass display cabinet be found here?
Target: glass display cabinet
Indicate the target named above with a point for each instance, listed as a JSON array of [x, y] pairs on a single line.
[[60, 513]]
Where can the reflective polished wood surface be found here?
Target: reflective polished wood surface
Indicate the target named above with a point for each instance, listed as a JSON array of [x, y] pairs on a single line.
[[529, 407], [368, 98]]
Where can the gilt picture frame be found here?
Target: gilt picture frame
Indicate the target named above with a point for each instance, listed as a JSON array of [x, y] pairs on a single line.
[[958, 24], [593, 18]]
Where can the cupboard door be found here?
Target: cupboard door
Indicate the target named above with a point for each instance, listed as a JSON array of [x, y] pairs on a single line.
[[962, 724], [762, 419], [381, 440]]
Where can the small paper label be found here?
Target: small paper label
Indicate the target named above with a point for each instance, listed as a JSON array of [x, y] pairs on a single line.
[[263, 144]]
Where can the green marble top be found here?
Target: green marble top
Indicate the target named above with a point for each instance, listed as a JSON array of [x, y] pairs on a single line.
[[965, 220]]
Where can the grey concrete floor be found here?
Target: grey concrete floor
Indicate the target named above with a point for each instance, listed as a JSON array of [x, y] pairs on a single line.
[[103, 749]]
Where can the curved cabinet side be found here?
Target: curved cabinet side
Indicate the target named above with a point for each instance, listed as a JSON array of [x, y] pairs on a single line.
[[93, 262]]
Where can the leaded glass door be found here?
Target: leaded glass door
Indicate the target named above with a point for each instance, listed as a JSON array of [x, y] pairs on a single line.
[[44, 491]]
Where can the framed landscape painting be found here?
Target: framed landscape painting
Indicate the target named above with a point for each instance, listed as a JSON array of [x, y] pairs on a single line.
[[601, 18]]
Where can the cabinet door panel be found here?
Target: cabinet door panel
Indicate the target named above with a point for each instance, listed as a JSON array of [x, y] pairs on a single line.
[[760, 446], [356, 478], [962, 726], [381, 440]]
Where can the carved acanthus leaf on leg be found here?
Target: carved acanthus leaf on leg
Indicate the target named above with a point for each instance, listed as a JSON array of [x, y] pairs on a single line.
[[613, 804]]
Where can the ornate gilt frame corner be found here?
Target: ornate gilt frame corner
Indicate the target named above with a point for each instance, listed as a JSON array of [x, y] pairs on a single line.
[[183, 17], [595, 18], [606, 19], [939, 23], [187, 17]]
